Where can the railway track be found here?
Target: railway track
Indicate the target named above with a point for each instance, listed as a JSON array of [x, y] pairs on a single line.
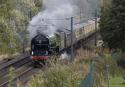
[[23, 71], [15, 63], [22, 66], [23, 77], [2, 62], [15, 71]]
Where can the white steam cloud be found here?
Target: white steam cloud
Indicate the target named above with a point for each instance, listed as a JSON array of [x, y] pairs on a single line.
[[45, 21]]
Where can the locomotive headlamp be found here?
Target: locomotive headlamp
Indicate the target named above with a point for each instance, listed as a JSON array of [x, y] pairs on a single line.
[[32, 53]]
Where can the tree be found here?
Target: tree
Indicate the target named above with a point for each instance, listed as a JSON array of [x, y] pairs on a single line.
[[7, 39], [112, 24], [14, 17]]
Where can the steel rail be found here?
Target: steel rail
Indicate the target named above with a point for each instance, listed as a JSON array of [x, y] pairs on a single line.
[[17, 77]]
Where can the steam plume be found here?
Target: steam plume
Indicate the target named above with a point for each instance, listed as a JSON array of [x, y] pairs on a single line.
[[46, 21]]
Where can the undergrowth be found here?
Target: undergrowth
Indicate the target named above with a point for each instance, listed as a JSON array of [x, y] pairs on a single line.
[[60, 74]]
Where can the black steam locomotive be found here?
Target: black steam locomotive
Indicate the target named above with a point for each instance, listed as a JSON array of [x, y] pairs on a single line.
[[42, 45], [39, 48]]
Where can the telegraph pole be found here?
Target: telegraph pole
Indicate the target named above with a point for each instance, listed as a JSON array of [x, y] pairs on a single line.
[[30, 14], [80, 15], [72, 39], [95, 27]]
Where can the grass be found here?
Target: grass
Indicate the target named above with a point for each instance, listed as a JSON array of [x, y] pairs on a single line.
[[60, 75], [63, 73], [117, 82]]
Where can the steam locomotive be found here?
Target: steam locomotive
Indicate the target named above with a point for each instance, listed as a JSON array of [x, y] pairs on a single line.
[[42, 45]]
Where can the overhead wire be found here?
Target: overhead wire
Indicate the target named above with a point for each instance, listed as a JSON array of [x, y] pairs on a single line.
[[58, 19]]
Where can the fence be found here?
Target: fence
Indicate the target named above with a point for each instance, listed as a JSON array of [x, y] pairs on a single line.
[[88, 81]]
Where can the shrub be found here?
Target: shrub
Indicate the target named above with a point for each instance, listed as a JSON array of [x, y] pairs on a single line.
[[60, 75]]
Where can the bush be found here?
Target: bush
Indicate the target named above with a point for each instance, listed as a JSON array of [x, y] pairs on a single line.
[[101, 74], [60, 75]]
